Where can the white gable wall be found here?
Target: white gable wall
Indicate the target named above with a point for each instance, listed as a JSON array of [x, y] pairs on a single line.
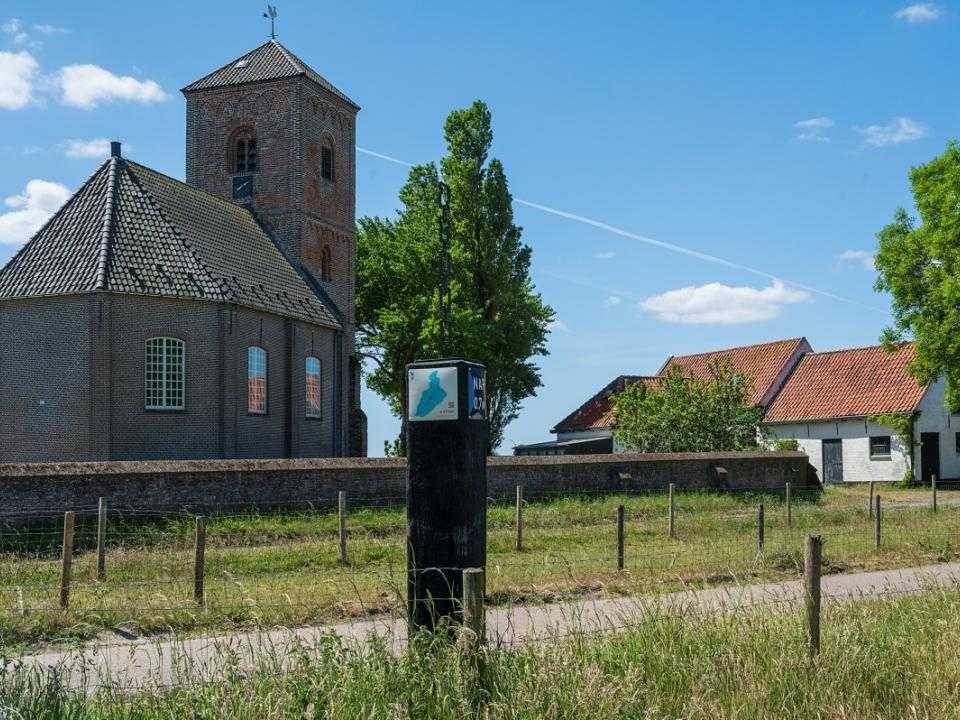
[[934, 417]]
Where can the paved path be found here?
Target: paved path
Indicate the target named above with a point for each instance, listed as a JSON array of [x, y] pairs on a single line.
[[148, 663]]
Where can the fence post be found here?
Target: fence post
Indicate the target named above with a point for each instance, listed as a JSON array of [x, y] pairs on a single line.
[[473, 610], [198, 561], [789, 507], [811, 577], [519, 518], [621, 517], [66, 560], [101, 540], [870, 503], [671, 527], [933, 492], [876, 521], [342, 514], [760, 529]]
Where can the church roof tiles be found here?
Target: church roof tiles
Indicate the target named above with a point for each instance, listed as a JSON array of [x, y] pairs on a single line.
[[130, 229], [270, 61]]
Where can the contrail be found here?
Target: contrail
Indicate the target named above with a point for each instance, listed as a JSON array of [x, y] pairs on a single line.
[[705, 257]]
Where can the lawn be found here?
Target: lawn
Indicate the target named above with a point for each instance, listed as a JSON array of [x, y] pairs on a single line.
[[892, 658], [284, 568]]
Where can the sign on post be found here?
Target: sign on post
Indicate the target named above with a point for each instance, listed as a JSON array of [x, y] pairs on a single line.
[[432, 393]]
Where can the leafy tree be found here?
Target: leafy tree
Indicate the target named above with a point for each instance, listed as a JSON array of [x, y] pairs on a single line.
[[682, 413], [496, 315], [919, 265]]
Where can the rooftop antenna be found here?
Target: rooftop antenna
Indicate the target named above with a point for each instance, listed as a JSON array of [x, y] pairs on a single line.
[[271, 13]]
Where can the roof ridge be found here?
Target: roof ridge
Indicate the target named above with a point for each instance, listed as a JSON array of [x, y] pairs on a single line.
[[297, 63], [875, 346], [106, 231], [738, 347]]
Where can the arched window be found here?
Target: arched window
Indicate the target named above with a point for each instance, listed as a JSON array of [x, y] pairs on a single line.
[[326, 264], [164, 374], [326, 162], [256, 381], [244, 148], [312, 388]]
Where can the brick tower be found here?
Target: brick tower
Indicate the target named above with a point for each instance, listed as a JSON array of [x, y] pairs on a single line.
[[267, 131]]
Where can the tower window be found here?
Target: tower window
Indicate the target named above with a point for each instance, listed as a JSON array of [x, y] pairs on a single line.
[[164, 374], [326, 265], [245, 158], [313, 391], [326, 163], [256, 381]]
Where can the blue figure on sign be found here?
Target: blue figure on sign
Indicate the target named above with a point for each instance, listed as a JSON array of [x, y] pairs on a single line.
[[431, 397]]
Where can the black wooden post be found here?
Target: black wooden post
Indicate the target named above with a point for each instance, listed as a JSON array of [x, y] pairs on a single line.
[[447, 436]]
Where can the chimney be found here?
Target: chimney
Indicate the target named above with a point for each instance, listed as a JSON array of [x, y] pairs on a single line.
[[115, 149]]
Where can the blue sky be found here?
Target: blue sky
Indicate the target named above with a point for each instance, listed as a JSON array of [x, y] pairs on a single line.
[[775, 137]]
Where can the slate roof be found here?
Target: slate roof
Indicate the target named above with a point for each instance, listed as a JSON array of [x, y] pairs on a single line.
[[130, 229], [762, 363], [848, 383], [597, 412], [270, 61]]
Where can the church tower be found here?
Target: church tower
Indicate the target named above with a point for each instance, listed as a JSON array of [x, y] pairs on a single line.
[[268, 131]]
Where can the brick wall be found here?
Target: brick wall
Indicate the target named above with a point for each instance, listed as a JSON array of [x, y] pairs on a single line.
[[208, 485]]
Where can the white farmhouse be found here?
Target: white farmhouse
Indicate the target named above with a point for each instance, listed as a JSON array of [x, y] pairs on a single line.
[[827, 404]]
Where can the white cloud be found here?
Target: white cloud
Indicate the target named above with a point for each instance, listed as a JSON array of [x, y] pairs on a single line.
[[17, 72], [557, 326], [813, 129], [919, 13], [608, 255], [613, 301], [863, 257], [717, 304], [898, 130], [47, 29], [29, 210], [86, 86], [93, 148]]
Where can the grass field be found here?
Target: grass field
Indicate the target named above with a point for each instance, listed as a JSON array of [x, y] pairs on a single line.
[[284, 568], [891, 658]]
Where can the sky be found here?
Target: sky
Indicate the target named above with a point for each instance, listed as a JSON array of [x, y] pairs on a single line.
[[689, 175]]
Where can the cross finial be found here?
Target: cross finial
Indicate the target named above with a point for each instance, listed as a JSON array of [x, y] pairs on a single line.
[[271, 13]]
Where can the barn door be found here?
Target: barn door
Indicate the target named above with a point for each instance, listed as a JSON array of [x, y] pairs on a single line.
[[832, 462], [929, 456]]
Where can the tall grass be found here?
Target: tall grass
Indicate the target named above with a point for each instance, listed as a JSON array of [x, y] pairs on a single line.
[[894, 658]]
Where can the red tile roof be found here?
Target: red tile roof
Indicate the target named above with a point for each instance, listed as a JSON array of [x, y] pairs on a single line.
[[848, 383], [762, 363], [597, 412]]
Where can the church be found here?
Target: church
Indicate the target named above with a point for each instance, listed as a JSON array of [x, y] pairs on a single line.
[[155, 319]]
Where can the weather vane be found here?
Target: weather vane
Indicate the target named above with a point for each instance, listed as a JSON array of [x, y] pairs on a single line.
[[271, 13]]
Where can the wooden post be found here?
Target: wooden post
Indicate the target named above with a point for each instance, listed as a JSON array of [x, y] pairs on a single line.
[[876, 521], [519, 518], [671, 528], [101, 540], [760, 529], [621, 519], [789, 507], [811, 585], [198, 562], [870, 503], [473, 610], [342, 513], [66, 559], [933, 492]]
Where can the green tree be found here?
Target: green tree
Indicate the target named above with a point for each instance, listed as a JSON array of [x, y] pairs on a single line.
[[496, 316], [919, 265], [682, 413]]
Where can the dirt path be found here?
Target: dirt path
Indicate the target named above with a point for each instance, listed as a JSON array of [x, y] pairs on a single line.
[[150, 663]]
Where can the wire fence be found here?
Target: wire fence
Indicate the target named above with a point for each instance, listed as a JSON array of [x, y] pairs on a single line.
[[95, 570]]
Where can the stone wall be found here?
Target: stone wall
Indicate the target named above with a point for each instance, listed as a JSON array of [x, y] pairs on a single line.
[[211, 485]]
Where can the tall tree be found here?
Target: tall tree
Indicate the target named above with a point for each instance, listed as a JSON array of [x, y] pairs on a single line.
[[919, 265], [683, 413], [496, 316]]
